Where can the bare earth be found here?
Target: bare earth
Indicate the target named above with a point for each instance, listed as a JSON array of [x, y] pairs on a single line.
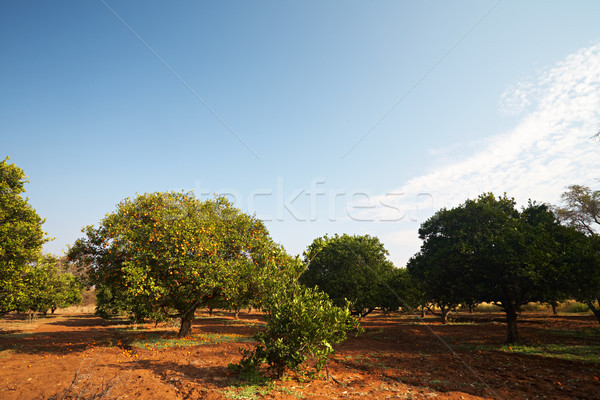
[[77, 355]]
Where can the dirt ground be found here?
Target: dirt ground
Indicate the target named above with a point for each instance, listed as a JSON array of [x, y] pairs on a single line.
[[75, 355]]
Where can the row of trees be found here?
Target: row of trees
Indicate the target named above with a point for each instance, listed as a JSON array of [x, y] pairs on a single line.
[[163, 255], [485, 250], [357, 269], [29, 280]]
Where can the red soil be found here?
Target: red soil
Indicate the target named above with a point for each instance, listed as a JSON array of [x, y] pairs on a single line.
[[77, 354]]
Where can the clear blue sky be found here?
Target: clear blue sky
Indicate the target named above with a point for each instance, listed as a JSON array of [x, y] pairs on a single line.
[[375, 113]]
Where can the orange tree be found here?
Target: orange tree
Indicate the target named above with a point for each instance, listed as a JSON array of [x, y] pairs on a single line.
[[49, 286], [302, 323], [163, 255], [21, 237], [485, 250]]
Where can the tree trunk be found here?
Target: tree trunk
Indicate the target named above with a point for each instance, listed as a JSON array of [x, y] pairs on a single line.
[[186, 321], [511, 324], [444, 313], [592, 307], [52, 309], [237, 314], [186, 325], [554, 305]]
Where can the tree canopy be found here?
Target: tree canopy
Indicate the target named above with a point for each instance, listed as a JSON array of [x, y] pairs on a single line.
[[163, 255], [355, 268], [487, 250], [49, 286], [581, 210], [21, 236]]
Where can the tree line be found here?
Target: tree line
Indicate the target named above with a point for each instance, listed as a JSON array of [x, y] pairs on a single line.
[[164, 255], [29, 280]]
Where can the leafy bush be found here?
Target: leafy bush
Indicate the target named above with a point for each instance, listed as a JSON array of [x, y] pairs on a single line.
[[301, 323], [487, 307], [571, 306], [535, 306]]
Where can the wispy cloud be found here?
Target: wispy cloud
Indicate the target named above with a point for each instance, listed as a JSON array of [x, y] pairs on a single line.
[[548, 149]]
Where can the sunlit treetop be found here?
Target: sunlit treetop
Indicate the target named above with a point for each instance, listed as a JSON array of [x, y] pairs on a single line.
[[161, 252]]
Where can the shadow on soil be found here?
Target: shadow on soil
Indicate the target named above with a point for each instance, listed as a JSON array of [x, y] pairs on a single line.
[[99, 332]]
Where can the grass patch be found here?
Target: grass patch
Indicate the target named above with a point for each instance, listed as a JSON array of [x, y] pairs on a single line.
[[583, 353], [252, 385], [585, 333], [17, 335], [10, 349], [168, 341], [439, 382], [250, 324], [247, 392]]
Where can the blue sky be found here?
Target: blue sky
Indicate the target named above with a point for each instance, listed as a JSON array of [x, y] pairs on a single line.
[[319, 116]]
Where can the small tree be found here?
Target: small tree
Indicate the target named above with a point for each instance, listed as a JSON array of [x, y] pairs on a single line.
[[434, 299], [353, 268], [581, 210], [301, 323], [49, 287], [402, 292], [21, 237]]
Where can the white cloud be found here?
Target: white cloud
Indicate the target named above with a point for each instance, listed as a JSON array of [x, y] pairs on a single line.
[[548, 149]]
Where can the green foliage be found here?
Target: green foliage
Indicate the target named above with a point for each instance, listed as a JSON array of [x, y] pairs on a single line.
[[163, 255], [582, 211], [21, 237], [402, 292], [535, 306], [151, 341], [353, 268], [485, 250], [48, 286], [487, 307], [571, 352], [571, 306], [301, 323]]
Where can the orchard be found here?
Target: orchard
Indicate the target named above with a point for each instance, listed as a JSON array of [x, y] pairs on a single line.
[[163, 256]]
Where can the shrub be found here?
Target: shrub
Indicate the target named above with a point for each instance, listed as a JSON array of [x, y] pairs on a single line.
[[572, 306], [487, 307], [535, 306], [301, 323]]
